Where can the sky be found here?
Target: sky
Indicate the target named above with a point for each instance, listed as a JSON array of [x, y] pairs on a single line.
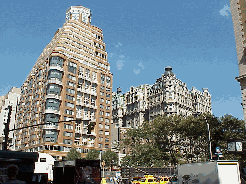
[[195, 38]]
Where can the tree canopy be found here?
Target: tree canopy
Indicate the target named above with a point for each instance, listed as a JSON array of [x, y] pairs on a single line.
[[93, 154], [73, 154], [110, 158], [175, 139]]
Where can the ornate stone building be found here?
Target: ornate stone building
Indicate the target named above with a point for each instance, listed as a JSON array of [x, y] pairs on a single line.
[[69, 87], [167, 96], [170, 95], [136, 106]]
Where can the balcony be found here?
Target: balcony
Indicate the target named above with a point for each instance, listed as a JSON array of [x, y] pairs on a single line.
[[54, 127], [93, 107], [81, 76], [93, 93], [92, 134], [56, 96], [52, 111], [85, 118], [57, 67], [94, 81], [54, 81], [79, 116]]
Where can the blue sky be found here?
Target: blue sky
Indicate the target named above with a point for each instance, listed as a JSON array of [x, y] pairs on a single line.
[[195, 37]]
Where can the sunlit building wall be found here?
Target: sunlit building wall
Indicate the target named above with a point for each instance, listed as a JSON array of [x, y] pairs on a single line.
[[238, 13], [10, 99], [70, 81]]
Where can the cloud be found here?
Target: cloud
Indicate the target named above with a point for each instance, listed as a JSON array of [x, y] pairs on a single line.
[[224, 11], [121, 56], [141, 65], [111, 54], [118, 44], [136, 71], [120, 64]]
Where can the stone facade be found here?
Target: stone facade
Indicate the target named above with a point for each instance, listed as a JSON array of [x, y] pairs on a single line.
[[167, 96], [238, 13]]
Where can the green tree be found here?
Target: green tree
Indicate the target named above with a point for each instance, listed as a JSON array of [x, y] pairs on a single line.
[[93, 154], [73, 154], [176, 139], [110, 158]]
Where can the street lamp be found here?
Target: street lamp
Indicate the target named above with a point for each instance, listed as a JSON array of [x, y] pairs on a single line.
[[209, 139], [103, 164]]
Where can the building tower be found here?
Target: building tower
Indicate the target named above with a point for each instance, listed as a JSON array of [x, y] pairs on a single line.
[[70, 81], [238, 8], [10, 99]]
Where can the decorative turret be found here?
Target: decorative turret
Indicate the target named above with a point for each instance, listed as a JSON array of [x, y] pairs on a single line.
[[168, 71]]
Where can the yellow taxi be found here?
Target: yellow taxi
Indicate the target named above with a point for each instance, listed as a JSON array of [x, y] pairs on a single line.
[[164, 180], [103, 181], [148, 179]]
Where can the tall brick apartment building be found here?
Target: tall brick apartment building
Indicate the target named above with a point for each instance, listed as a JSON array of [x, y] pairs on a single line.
[[70, 81]]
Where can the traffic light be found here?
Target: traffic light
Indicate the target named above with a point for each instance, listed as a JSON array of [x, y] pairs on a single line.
[[78, 121]]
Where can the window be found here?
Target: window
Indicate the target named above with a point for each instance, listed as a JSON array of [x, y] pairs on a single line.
[[87, 73], [68, 134], [101, 113], [106, 126], [69, 112], [70, 97], [102, 79], [69, 104], [66, 126], [101, 126], [100, 132], [107, 120], [72, 91], [71, 77], [86, 99], [42, 159], [107, 107], [71, 84], [101, 119], [107, 114], [101, 100], [67, 141], [101, 106], [93, 100]]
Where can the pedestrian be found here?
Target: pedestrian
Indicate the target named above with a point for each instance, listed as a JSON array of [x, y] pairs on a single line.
[[12, 171]]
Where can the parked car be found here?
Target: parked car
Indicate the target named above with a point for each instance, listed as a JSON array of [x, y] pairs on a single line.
[[148, 179], [164, 180]]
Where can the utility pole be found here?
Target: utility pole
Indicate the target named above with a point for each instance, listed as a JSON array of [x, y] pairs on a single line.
[[6, 131]]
